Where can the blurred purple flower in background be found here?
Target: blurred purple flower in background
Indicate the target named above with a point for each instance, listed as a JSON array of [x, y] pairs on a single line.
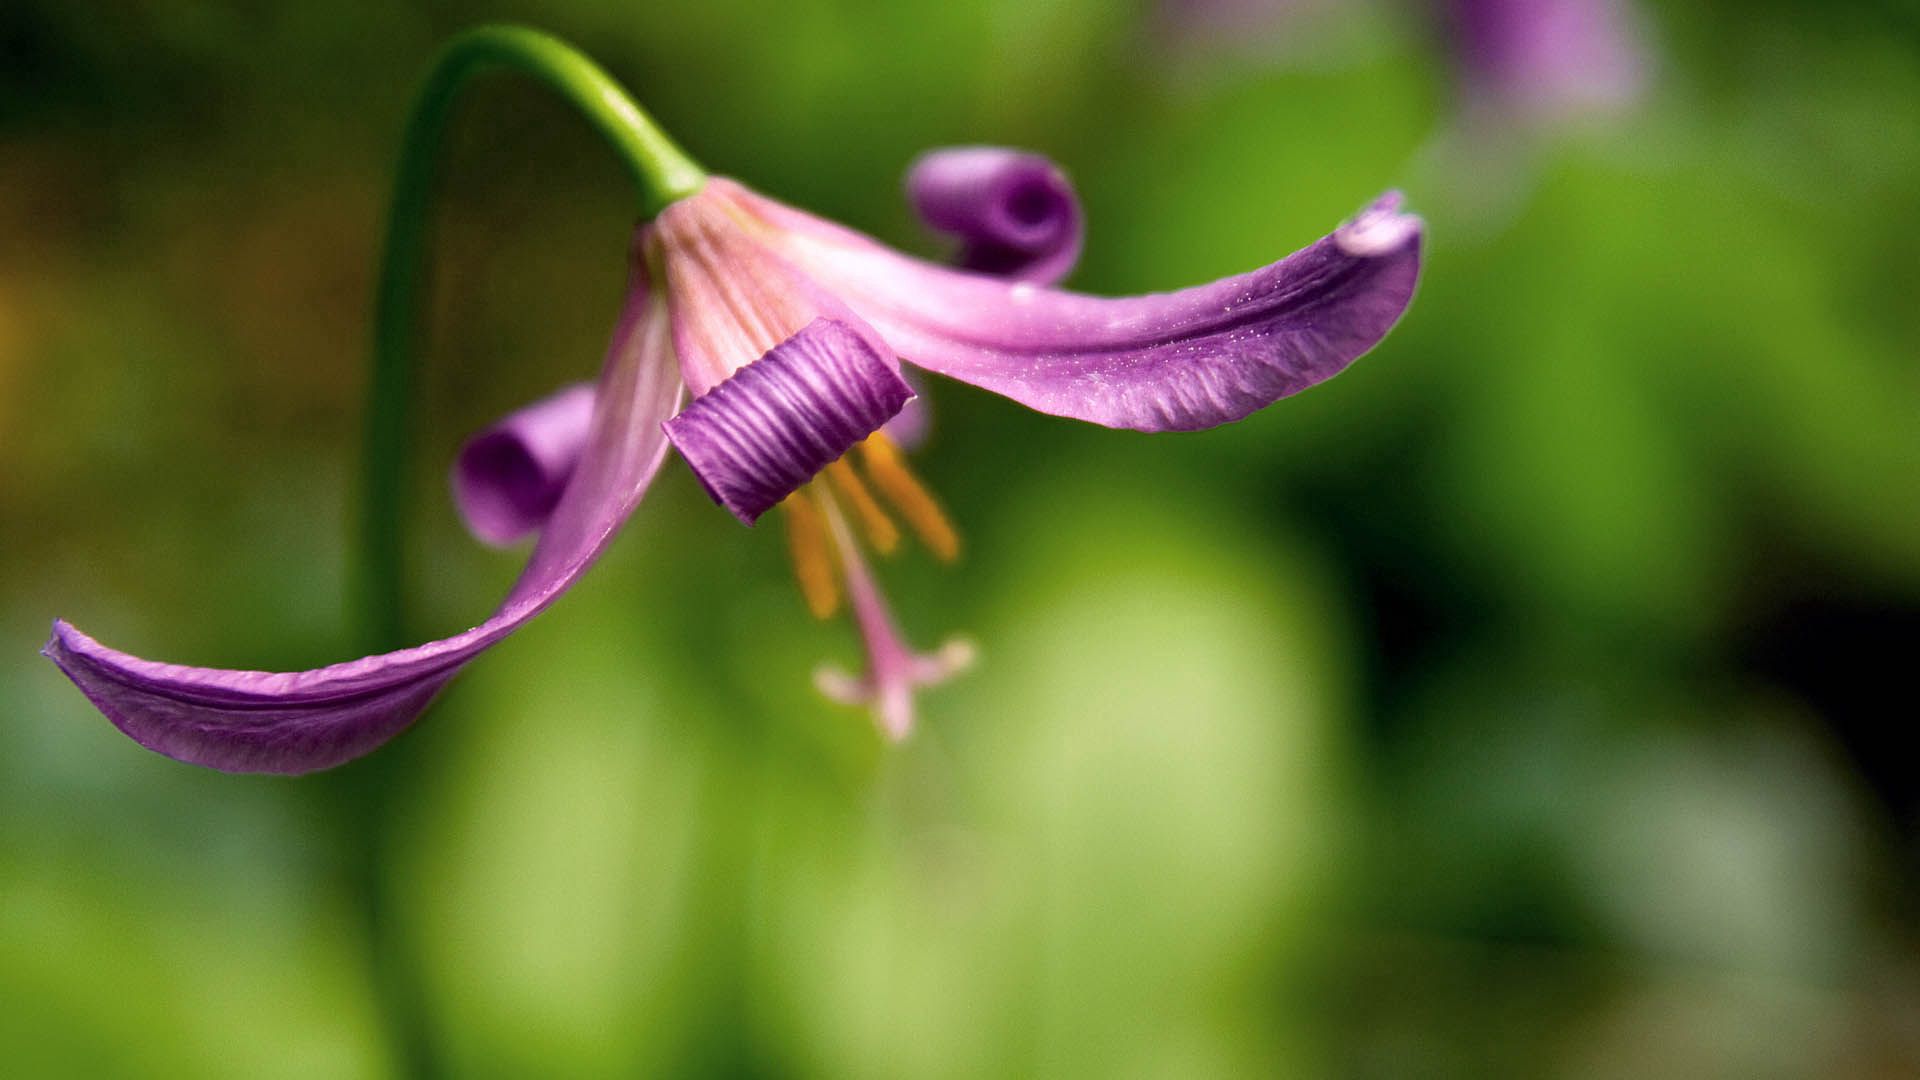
[[786, 330], [1532, 62], [1546, 61]]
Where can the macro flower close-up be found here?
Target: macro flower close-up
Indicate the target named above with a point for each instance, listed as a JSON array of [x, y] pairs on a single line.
[[787, 334], [1194, 538]]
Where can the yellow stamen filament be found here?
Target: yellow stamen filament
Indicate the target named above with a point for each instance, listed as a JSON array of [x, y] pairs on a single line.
[[812, 549], [890, 474], [880, 530]]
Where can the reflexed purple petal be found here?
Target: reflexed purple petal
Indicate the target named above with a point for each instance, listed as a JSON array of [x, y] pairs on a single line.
[[1015, 213], [296, 722], [776, 422], [1163, 362], [509, 477], [1549, 58]]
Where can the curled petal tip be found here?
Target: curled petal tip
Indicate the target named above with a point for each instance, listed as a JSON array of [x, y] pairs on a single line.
[[60, 641], [1015, 213], [771, 426], [508, 478], [1378, 229]]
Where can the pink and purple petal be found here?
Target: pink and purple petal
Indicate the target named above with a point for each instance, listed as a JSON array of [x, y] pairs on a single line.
[[778, 421], [1015, 214], [1176, 361], [297, 722], [508, 478], [732, 296]]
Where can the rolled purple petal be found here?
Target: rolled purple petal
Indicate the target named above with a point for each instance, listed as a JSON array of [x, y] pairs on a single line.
[[770, 427], [509, 477], [296, 722], [1176, 361], [1015, 213], [1547, 59]]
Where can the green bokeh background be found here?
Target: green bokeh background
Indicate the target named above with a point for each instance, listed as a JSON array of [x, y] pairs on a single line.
[[1527, 701]]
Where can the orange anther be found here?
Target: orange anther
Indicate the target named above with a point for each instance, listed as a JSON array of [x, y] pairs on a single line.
[[880, 530], [812, 550], [890, 474]]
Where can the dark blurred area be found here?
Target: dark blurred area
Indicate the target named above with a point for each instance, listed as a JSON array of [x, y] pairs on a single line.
[[1526, 701]]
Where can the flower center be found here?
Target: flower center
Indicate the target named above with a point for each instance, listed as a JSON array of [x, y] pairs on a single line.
[[874, 492], [872, 485]]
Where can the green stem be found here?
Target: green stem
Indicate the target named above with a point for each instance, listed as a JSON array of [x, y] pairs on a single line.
[[662, 174], [365, 792]]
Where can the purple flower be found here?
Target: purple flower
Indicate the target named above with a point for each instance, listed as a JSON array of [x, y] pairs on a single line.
[[1547, 60], [1517, 61], [786, 329]]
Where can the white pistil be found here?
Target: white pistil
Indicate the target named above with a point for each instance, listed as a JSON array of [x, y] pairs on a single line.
[[894, 669]]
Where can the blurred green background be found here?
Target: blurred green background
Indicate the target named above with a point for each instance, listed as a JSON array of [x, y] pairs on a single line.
[[1525, 702]]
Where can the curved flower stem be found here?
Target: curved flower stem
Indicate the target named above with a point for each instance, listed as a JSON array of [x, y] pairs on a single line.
[[365, 792], [662, 173]]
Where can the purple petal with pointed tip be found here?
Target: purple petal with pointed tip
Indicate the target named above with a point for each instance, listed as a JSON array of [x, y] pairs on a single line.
[[776, 422], [508, 478], [296, 722], [1175, 361], [1015, 213]]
